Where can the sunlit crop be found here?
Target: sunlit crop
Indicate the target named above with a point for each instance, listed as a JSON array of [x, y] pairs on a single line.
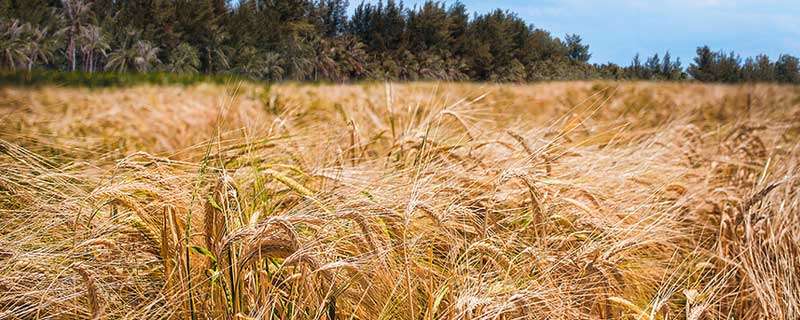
[[581, 200]]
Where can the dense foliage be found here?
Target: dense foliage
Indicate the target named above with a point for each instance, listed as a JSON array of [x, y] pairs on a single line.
[[110, 79], [317, 40]]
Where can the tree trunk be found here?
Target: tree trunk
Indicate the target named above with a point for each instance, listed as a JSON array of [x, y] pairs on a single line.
[[71, 51], [210, 68]]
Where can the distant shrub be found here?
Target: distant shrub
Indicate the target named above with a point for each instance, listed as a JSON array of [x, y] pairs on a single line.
[[107, 79]]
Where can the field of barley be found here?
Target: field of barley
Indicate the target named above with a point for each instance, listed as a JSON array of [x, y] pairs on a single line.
[[574, 200]]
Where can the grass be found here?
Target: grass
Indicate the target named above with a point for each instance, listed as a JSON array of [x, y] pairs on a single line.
[[574, 200], [36, 78]]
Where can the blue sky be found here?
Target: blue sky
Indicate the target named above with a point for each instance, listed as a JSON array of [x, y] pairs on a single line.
[[618, 29]]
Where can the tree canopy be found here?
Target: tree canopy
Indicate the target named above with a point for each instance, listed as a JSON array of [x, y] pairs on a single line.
[[317, 40]]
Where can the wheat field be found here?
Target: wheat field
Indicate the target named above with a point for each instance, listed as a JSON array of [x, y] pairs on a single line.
[[574, 200]]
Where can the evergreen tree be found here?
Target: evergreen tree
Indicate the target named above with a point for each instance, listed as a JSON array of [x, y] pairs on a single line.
[[787, 69], [764, 70], [332, 17], [316, 40], [35, 12], [671, 70], [728, 67], [457, 27], [576, 50], [652, 67], [428, 28], [701, 69], [636, 70]]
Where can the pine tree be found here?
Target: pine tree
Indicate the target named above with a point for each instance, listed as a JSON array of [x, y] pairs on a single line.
[[428, 28], [764, 69], [787, 69], [457, 27], [316, 40], [652, 67], [333, 17], [636, 70], [701, 69], [577, 51]]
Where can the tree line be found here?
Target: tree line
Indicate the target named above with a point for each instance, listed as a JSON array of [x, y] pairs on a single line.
[[317, 40]]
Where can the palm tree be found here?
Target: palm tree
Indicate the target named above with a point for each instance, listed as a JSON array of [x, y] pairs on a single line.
[[259, 65], [93, 40], [302, 64], [325, 65], [351, 56], [184, 59], [216, 51], [431, 66], [76, 13], [250, 62], [146, 55], [456, 68], [40, 45], [408, 66], [12, 43], [36, 46], [121, 59], [273, 66], [139, 54]]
